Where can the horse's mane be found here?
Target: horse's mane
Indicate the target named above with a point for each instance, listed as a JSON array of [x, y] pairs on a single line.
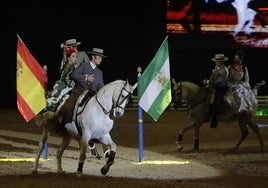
[[110, 84], [190, 85], [195, 92]]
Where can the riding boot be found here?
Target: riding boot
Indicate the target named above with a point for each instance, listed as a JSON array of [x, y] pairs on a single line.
[[216, 106], [214, 121]]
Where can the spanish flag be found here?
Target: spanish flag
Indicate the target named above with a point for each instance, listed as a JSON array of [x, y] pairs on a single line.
[[31, 83]]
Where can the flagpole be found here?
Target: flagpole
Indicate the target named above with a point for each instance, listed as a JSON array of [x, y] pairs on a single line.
[[140, 122], [45, 151], [45, 154]]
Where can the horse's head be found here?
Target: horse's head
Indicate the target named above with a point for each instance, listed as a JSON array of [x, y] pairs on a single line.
[[176, 94], [123, 98], [183, 93]]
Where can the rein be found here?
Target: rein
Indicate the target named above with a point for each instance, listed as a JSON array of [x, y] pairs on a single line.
[[118, 103], [103, 109]]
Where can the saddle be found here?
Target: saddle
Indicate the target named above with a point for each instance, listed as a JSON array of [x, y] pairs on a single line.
[[71, 127], [79, 108]]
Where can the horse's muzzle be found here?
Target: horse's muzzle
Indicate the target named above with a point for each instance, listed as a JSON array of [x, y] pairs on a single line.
[[118, 114]]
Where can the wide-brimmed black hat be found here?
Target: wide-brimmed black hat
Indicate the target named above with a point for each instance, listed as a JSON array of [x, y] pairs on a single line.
[[97, 51]]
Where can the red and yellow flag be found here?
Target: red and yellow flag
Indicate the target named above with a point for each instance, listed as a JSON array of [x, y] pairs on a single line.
[[31, 83]]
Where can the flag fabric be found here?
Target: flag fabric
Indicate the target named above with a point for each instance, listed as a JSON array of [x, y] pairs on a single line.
[[154, 89], [31, 83]]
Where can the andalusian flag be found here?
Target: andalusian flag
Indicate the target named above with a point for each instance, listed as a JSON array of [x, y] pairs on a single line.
[[154, 89], [31, 81]]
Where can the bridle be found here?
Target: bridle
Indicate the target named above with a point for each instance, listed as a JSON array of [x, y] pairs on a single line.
[[179, 90], [118, 102]]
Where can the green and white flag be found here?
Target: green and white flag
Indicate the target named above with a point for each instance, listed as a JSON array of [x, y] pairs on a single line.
[[154, 88]]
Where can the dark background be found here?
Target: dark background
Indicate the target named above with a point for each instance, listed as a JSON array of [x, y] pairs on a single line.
[[130, 32]]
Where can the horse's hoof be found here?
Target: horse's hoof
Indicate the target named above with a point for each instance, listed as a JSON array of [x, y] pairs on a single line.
[[34, 172], [61, 172], [179, 148], [232, 150], [106, 168], [79, 174], [193, 150]]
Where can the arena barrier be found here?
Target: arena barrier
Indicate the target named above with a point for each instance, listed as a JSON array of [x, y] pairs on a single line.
[[262, 104]]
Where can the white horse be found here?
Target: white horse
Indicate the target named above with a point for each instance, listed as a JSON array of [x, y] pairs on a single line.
[[245, 16], [199, 110], [93, 122]]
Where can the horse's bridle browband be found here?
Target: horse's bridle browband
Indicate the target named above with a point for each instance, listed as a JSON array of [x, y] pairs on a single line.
[[117, 102]]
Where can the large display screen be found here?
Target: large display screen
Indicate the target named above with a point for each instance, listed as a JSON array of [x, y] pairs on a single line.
[[244, 23]]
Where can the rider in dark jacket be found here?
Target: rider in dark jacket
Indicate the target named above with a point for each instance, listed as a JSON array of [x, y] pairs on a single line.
[[218, 82]]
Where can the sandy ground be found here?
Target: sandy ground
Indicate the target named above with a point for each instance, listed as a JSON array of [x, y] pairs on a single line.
[[161, 165]]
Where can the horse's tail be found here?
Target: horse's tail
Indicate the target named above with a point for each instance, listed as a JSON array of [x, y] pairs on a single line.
[[257, 87], [42, 118]]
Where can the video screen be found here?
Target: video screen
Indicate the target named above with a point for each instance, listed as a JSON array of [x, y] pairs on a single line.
[[243, 22]]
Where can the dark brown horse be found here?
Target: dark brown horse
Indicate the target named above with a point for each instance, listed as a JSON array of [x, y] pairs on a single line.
[[198, 105]]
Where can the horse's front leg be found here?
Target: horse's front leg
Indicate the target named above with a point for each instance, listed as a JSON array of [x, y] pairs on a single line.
[[109, 154], [93, 150], [196, 138], [181, 133], [66, 138], [106, 151]]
